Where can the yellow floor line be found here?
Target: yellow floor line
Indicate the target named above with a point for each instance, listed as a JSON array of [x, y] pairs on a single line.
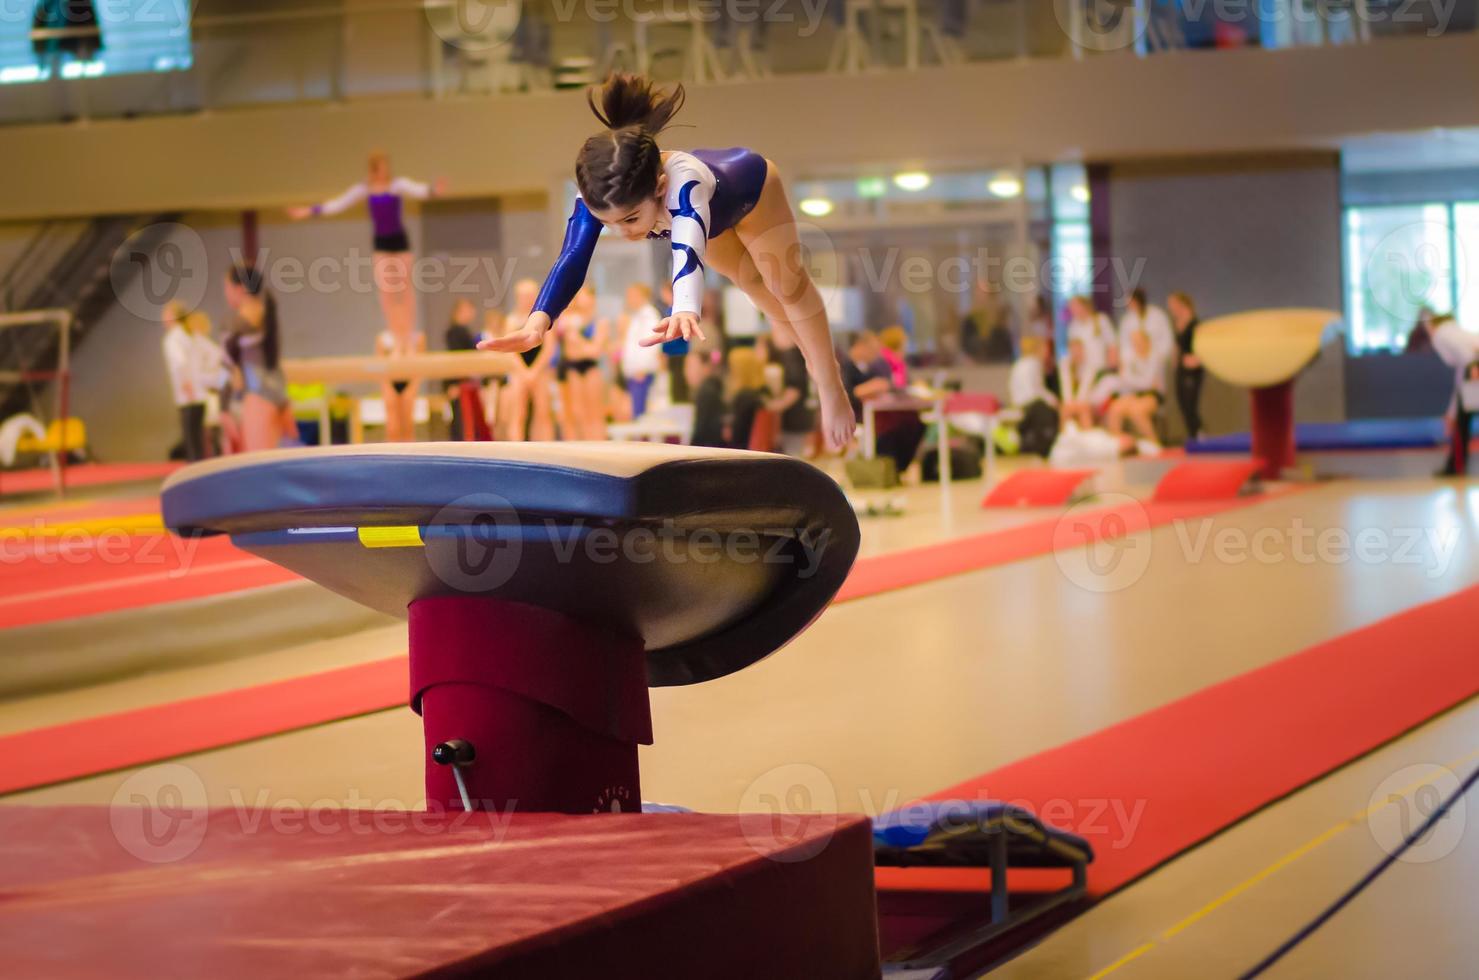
[[128, 524], [1277, 866]]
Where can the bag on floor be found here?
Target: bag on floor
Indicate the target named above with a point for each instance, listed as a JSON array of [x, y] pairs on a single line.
[[878, 473], [1084, 447], [1038, 429], [965, 463]]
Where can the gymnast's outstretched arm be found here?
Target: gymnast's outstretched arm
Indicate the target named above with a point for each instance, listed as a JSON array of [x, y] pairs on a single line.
[[343, 202], [565, 278], [335, 205], [568, 273]]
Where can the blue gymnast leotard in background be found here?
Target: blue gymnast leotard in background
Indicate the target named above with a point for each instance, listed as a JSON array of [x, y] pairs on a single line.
[[709, 192]]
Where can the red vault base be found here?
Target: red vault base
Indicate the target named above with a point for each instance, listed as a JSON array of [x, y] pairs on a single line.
[[85, 891]]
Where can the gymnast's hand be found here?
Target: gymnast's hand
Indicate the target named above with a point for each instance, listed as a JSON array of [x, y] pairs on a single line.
[[679, 326], [299, 213], [528, 338]]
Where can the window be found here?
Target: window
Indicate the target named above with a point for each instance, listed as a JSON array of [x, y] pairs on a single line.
[[1466, 264], [1071, 271], [1399, 259]]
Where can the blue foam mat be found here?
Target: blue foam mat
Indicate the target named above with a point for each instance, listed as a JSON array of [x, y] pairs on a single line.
[[1358, 434]]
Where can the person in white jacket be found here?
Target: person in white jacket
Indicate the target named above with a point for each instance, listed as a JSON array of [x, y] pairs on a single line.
[[639, 363], [1459, 349], [189, 397], [208, 364], [1095, 331], [1141, 383], [1142, 315]]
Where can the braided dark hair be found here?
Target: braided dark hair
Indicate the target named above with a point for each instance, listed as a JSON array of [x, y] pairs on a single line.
[[620, 167]]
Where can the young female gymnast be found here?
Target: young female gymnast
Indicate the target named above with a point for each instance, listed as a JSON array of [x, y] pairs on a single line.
[[392, 258], [726, 207]]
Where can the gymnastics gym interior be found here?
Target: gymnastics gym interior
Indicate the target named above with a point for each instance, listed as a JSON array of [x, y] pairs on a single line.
[[1127, 628]]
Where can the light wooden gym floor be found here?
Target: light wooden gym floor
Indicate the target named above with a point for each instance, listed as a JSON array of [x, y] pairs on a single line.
[[909, 691]]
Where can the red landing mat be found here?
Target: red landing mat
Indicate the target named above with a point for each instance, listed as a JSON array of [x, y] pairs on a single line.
[[1150, 787], [85, 475], [336, 893], [1036, 488], [1209, 480]]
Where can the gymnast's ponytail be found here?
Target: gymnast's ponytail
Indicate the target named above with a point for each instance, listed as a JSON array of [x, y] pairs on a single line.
[[619, 168], [628, 100]]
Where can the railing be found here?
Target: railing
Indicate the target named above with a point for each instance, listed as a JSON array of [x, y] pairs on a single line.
[[455, 48]]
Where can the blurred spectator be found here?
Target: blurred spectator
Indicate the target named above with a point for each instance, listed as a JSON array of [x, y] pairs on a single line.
[[1039, 322], [1088, 386], [189, 396], [1142, 386], [798, 421], [1421, 337], [893, 342], [459, 335], [747, 394], [1029, 393], [676, 352], [639, 364], [208, 362], [1460, 350], [1095, 331], [866, 377], [264, 417], [702, 376], [1140, 314], [1189, 370], [986, 331]]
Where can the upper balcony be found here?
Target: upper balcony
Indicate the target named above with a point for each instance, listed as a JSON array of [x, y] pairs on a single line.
[[68, 60], [262, 104]]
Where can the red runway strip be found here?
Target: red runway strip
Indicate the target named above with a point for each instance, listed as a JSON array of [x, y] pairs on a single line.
[[85, 475], [79, 749], [1073, 528], [96, 745], [1147, 789], [44, 581], [82, 510]]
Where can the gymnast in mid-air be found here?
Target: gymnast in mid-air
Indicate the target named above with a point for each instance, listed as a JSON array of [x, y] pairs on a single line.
[[726, 208]]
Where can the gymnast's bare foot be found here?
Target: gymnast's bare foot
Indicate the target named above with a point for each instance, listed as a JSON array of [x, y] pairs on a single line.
[[839, 424]]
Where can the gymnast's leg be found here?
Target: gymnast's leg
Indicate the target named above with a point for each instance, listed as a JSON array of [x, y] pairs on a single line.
[[769, 236]]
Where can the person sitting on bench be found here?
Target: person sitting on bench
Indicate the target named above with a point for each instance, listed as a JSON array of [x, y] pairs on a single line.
[[865, 375]]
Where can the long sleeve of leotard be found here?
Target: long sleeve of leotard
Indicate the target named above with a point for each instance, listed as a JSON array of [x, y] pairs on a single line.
[[567, 275], [690, 235], [410, 188], [344, 201]]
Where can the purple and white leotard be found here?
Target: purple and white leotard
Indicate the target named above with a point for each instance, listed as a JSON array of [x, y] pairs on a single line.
[[708, 193], [385, 210]]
